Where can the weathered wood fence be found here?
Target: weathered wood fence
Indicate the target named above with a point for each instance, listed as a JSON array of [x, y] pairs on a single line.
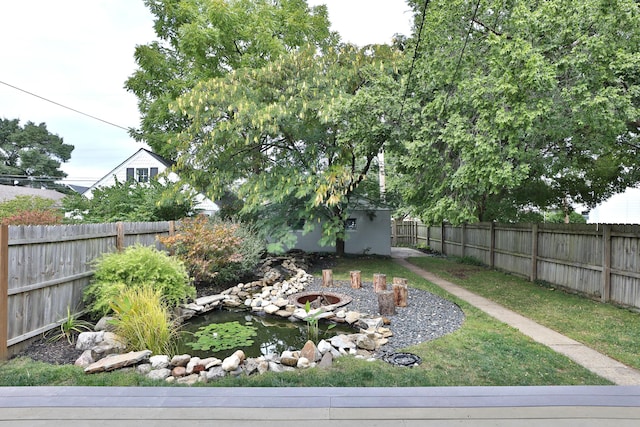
[[43, 270], [598, 260]]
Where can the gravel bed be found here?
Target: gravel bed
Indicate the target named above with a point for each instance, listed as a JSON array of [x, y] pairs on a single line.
[[426, 317]]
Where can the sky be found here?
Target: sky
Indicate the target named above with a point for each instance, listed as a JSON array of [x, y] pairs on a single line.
[[79, 53]]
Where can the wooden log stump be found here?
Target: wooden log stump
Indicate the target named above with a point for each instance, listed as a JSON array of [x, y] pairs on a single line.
[[356, 279], [400, 294], [327, 278], [386, 303], [379, 282], [400, 280]]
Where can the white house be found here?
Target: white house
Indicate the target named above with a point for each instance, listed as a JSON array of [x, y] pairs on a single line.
[[141, 167], [621, 208], [368, 233]]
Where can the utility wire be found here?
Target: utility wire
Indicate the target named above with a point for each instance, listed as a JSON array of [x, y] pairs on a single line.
[[415, 56], [464, 47], [64, 106]]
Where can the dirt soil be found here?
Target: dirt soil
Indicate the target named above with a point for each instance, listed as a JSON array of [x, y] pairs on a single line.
[[58, 352]]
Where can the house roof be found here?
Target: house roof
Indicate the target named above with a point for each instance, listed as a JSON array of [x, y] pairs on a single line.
[[9, 192], [160, 159]]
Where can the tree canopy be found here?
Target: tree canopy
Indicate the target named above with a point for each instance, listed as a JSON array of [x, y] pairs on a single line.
[[204, 39], [30, 155], [260, 97], [296, 138], [518, 105]]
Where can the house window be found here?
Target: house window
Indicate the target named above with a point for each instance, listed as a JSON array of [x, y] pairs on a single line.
[[142, 174], [351, 224]]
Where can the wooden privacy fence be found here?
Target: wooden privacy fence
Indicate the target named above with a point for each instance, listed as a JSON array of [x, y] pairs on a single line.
[[43, 270], [598, 260]]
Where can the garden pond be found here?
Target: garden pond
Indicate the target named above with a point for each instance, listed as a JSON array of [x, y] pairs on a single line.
[[255, 334]]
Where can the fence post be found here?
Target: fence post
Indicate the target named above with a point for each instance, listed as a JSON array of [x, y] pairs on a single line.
[[119, 236], [4, 290], [442, 239], [492, 244], [463, 230], [606, 263], [534, 252]]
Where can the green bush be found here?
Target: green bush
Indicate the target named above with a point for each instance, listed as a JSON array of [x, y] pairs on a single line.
[[134, 267], [216, 251], [144, 321]]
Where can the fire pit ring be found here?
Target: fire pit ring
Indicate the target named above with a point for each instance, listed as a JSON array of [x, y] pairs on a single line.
[[319, 299], [403, 359]]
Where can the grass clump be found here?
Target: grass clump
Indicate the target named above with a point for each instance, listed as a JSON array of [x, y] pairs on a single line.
[[134, 267], [144, 321]]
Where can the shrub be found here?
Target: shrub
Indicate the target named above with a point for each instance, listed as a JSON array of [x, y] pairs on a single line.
[[30, 210], [215, 251], [134, 267], [144, 321]]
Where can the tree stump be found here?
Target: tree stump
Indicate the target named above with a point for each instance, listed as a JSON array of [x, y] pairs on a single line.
[[379, 282], [356, 280], [327, 278], [400, 280], [400, 294], [386, 303]]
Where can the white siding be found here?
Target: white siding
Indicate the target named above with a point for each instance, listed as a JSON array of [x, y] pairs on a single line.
[[371, 236], [622, 208]]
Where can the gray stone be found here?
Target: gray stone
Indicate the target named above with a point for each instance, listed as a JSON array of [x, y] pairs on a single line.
[[371, 324], [231, 363], [85, 359], [342, 341], [215, 373], [194, 366], [271, 309], [118, 361], [143, 368], [263, 366], [159, 361], [159, 374], [303, 363], [250, 366], [188, 380], [180, 360], [210, 362], [324, 346], [326, 361], [211, 299], [88, 340], [104, 324], [351, 317], [365, 342]]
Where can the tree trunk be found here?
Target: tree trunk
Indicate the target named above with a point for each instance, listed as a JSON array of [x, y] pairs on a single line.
[[339, 246], [386, 303], [379, 282], [356, 280], [327, 278], [400, 294]]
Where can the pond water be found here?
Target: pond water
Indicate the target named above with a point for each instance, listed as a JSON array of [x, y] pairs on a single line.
[[274, 334]]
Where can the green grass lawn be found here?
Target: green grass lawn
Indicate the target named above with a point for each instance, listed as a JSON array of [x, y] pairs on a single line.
[[483, 352], [611, 330]]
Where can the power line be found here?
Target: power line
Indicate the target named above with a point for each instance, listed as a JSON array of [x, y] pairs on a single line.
[[64, 106], [415, 56], [464, 47]]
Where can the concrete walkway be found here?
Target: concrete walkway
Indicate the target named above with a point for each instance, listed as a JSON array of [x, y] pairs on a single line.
[[597, 363]]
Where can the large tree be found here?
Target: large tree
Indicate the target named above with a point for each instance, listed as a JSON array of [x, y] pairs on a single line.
[[30, 155], [297, 137], [203, 39], [521, 105]]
